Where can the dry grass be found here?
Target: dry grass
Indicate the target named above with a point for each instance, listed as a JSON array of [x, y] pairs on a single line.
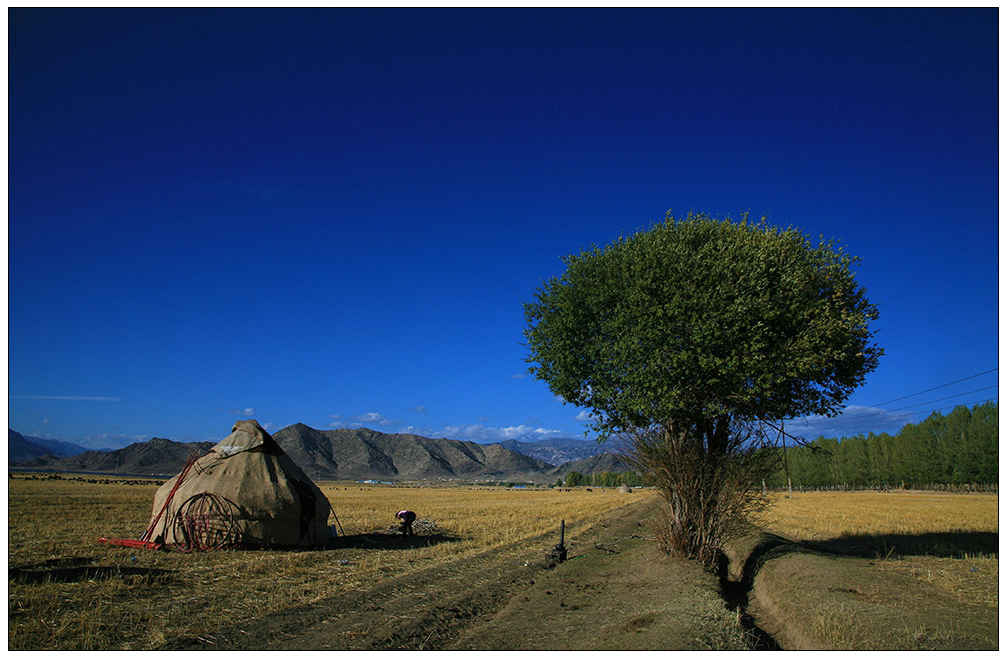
[[971, 580], [849, 628], [949, 541], [485, 517], [825, 515], [67, 591]]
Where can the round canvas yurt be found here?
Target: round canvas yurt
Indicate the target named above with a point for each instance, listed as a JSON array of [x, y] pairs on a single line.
[[245, 492]]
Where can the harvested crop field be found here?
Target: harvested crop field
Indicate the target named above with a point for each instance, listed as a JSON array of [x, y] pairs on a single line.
[[67, 591], [867, 570], [478, 576]]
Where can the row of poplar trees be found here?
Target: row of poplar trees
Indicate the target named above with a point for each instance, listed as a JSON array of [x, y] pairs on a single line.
[[601, 479], [958, 448]]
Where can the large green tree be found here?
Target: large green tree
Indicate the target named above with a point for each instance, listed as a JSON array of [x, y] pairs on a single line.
[[686, 336]]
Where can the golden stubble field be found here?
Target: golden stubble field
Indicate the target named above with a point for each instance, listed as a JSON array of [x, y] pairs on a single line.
[[67, 591], [826, 515], [941, 540], [930, 535]]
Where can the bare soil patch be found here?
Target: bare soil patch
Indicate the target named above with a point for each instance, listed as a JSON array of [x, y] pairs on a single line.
[[616, 591]]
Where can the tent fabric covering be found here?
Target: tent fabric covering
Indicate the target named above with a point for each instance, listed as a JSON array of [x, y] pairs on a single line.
[[245, 492]]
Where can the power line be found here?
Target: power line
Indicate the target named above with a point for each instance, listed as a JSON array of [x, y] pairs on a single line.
[[861, 414], [934, 388], [954, 406], [946, 398], [854, 417]]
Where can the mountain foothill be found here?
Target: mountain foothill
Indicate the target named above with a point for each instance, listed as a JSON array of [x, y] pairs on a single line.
[[344, 454]]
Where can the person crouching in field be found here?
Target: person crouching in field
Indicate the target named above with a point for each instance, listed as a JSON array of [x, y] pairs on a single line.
[[406, 516]]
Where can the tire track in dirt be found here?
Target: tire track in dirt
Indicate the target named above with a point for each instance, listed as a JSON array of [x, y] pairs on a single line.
[[426, 609]]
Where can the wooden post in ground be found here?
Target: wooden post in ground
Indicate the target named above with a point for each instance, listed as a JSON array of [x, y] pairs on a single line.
[[785, 464]]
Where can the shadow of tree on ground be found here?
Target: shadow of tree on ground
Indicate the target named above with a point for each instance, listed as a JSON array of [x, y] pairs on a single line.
[[386, 541], [79, 569], [936, 544]]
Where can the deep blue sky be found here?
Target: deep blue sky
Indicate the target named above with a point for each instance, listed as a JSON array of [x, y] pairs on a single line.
[[333, 216]]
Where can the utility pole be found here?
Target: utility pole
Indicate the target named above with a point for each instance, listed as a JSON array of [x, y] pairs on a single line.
[[785, 464]]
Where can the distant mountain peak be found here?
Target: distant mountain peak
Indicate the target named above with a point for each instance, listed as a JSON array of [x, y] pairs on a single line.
[[24, 448], [558, 451]]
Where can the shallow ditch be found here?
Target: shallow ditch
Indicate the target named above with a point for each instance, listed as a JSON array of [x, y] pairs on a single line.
[[735, 595]]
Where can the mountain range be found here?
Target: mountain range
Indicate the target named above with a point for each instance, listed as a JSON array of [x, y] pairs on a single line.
[[557, 451], [23, 448], [352, 454]]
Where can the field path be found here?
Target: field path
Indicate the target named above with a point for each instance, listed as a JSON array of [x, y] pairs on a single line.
[[620, 595]]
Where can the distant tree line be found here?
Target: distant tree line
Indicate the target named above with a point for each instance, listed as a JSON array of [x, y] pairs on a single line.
[[602, 479], [960, 448]]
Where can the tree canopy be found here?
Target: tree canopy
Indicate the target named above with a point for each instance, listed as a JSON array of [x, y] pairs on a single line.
[[701, 318]]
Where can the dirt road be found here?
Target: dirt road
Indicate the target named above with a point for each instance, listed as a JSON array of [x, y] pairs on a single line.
[[615, 591]]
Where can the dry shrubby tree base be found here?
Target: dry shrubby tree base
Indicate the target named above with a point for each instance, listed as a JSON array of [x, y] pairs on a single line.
[[709, 499]]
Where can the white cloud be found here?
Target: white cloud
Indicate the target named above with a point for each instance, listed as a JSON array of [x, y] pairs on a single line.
[[419, 431], [247, 412], [584, 417], [854, 420], [520, 376], [481, 434], [524, 432], [369, 418], [420, 409], [338, 422], [476, 432], [375, 418], [107, 440], [67, 398]]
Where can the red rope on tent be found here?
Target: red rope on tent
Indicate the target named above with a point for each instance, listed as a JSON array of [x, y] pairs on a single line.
[[193, 457], [130, 543]]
